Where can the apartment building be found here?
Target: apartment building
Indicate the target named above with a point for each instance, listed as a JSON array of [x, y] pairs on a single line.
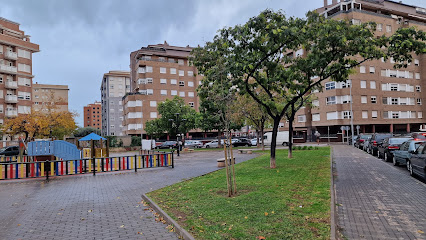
[[48, 97], [383, 99], [115, 84], [16, 51], [93, 115], [158, 72]]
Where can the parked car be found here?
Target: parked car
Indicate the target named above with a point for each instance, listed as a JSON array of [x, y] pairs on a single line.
[[168, 144], [401, 156], [9, 151], [242, 142], [418, 135], [388, 145], [417, 163], [376, 139], [282, 138], [359, 142], [193, 144], [212, 144], [254, 142]]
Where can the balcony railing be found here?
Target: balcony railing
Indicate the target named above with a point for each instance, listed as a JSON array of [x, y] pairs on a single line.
[[11, 84], [11, 99], [11, 55], [11, 113], [8, 69]]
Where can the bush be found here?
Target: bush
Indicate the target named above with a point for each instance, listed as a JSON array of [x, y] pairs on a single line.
[[316, 148], [294, 148], [136, 141], [299, 147], [305, 147], [310, 148]]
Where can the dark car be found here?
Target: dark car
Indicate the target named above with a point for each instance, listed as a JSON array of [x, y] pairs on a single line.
[[242, 142], [388, 145], [168, 144], [9, 151], [417, 163], [376, 139], [401, 156], [359, 141]]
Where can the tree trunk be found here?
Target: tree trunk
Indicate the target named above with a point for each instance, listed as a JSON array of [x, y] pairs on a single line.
[[219, 137], [274, 142], [262, 128], [257, 138], [290, 136]]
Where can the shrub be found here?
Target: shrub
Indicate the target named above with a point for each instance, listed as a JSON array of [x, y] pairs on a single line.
[[305, 147], [299, 147], [310, 148]]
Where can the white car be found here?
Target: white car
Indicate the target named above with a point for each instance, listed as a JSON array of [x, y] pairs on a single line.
[[254, 142], [212, 144]]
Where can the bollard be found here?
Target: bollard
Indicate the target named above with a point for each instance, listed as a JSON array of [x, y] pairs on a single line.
[[46, 169], [136, 163], [173, 160], [94, 167]]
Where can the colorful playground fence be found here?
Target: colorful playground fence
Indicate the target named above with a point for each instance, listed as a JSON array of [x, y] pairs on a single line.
[[21, 170]]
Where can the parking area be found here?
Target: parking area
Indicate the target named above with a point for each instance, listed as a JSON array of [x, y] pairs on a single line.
[[105, 206], [376, 200]]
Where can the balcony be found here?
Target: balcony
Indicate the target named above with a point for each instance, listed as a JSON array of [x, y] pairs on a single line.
[[11, 99], [11, 85], [8, 69], [11, 55], [11, 113]]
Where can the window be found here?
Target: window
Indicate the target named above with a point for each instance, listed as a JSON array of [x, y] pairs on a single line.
[[181, 73], [394, 101], [373, 114], [149, 92], [181, 62], [152, 103], [417, 75], [181, 83], [163, 81], [190, 73], [394, 87], [173, 92], [172, 70], [356, 22], [316, 117], [364, 114], [418, 89], [420, 114], [148, 69], [149, 80], [362, 69], [190, 94], [163, 92], [373, 84], [181, 94], [379, 27], [171, 60], [163, 70], [347, 115], [395, 115], [363, 99], [141, 70], [190, 84], [363, 84], [191, 104], [416, 62], [331, 100], [372, 69], [301, 118], [388, 28], [173, 81], [330, 85], [315, 103], [161, 59], [153, 114], [419, 101]]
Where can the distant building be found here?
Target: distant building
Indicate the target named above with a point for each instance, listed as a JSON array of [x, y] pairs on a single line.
[[93, 115], [50, 97], [115, 85], [15, 70]]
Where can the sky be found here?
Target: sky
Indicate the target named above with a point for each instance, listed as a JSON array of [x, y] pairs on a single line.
[[80, 40]]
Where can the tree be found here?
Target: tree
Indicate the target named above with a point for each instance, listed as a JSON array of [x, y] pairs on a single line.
[[81, 132], [259, 55], [153, 128]]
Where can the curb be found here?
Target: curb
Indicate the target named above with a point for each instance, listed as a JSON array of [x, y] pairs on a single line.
[[333, 228], [182, 233]]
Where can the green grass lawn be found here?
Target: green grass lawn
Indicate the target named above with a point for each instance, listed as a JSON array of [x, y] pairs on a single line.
[[289, 202]]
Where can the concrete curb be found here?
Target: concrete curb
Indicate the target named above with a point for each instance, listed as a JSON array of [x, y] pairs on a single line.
[[182, 233], [334, 235]]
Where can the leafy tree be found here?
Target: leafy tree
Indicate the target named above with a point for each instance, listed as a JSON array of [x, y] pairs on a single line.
[[256, 56], [153, 128], [81, 132], [136, 141]]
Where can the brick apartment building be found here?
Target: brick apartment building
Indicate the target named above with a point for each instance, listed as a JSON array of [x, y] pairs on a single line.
[[16, 51], [93, 115], [115, 84], [158, 72], [48, 97], [383, 99]]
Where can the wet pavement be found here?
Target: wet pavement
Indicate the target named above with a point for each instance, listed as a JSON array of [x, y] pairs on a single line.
[[105, 206]]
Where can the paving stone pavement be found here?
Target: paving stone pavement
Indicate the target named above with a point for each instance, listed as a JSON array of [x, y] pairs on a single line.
[[106, 206], [377, 200]]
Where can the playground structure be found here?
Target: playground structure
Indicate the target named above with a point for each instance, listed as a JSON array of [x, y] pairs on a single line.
[[93, 145]]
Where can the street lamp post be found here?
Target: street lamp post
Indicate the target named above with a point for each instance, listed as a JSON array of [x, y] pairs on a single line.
[[176, 123]]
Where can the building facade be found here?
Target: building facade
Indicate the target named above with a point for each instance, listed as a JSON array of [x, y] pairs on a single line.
[[48, 97], [383, 99], [93, 115], [158, 72], [16, 51], [115, 84]]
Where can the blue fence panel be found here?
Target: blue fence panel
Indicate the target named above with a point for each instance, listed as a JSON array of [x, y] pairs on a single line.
[[61, 149]]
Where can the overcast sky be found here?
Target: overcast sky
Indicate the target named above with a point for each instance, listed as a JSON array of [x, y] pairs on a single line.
[[80, 40]]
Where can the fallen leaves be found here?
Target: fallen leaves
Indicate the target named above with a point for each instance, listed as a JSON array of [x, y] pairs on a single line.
[[122, 226], [260, 237], [90, 211], [420, 231], [266, 213]]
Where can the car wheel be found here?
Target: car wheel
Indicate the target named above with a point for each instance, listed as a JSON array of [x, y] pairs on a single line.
[[410, 168], [378, 153], [285, 144], [246, 145], [395, 163], [386, 157], [207, 146]]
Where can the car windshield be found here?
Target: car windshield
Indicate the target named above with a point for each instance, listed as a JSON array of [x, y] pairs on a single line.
[[365, 136], [2, 149], [398, 140]]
